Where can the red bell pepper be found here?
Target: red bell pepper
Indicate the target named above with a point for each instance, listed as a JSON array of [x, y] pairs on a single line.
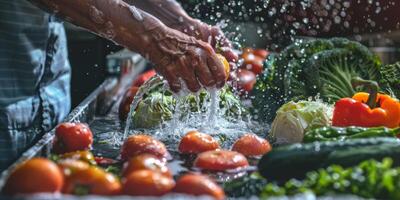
[[367, 109]]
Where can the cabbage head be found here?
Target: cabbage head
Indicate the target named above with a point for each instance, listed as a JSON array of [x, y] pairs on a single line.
[[293, 119]]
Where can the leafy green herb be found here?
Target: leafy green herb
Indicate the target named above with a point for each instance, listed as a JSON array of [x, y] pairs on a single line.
[[369, 179]]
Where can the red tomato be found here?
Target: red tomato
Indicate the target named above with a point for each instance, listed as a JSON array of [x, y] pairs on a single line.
[[245, 80], [144, 77], [195, 142], [220, 160], [37, 175], [125, 105], [71, 137], [140, 144], [262, 53], [199, 185], [147, 183], [145, 161], [70, 166], [253, 63], [91, 180], [251, 145]]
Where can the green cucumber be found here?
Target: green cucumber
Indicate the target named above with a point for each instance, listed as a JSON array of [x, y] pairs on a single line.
[[294, 161]]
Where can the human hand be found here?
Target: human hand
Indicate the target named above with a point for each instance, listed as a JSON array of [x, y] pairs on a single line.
[[182, 59], [210, 34]]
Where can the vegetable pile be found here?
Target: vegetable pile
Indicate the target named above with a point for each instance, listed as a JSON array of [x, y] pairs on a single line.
[[369, 179], [319, 68], [335, 123]]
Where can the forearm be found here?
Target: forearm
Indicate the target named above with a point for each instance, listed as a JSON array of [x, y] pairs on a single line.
[[169, 12], [115, 20]]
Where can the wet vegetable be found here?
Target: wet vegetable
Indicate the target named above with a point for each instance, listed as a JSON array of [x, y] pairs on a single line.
[[367, 109], [195, 142], [158, 106], [310, 68], [369, 179], [135, 145], [340, 134], [199, 185], [71, 137], [251, 145], [152, 110], [147, 183], [91, 180], [37, 175], [293, 161], [293, 119], [145, 161], [220, 160]]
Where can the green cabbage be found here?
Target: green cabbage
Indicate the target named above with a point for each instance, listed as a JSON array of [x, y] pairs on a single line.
[[158, 106], [152, 110], [294, 118]]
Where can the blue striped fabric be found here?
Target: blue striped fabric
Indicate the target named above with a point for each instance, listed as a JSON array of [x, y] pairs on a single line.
[[34, 76]]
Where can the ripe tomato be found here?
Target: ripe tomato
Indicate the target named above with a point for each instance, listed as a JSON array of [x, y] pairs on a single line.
[[145, 161], [143, 78], [139, 144], [92, 180], [70, 166], [245, 80], [226, 64], [37, 175], [72, 137], [195, 142], [85, 156], [253, 63], [199, 185], [147, 183], [262, 53], [125, 105], [220, 160], [251, 145]]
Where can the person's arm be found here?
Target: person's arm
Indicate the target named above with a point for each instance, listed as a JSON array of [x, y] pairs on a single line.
[[176, 55], [173, 15]]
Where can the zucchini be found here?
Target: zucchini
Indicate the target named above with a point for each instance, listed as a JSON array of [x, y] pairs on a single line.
[[294, 161]]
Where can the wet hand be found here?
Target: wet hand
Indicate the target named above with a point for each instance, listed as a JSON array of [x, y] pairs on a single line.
[[185, 61], [213, 36]]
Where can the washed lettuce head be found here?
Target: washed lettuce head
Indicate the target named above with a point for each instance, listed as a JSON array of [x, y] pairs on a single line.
[[294, 118], [158, 107], [152, 110]]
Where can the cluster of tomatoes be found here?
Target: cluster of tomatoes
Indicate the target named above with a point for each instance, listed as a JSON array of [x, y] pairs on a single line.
[[144, 171], [157, 180], [251, 64]]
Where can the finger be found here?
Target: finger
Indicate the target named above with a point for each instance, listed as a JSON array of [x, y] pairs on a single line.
[[172, 78], [225, 44], [217, 70], [204, 75], [188, 75]]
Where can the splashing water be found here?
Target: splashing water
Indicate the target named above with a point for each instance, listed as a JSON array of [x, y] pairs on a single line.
[[205, 115]]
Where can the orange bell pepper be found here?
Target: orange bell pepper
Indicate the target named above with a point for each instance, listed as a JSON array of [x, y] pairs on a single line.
[[366, 111]]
